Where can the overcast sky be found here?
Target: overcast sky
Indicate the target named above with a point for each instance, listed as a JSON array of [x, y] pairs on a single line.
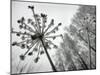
[[58, 12]]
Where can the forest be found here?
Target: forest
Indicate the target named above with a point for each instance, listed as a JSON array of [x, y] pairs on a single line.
[[78, 51]]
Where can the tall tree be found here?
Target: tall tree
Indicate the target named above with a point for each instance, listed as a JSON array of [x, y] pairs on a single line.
[[84, 27], [79, 42]]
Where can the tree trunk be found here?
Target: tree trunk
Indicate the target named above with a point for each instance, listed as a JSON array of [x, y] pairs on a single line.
[[86, 42], [89, 47], [83, 62]]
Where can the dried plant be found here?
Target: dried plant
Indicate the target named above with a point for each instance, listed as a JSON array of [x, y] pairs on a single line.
[[36, 35]]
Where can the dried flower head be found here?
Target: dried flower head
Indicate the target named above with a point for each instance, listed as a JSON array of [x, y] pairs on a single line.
[[36, 36]]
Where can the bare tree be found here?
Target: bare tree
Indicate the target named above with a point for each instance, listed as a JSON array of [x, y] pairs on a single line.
[[79, 44], [84, 26]]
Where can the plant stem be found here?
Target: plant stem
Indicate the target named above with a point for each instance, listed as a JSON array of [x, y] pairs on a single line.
[[52, 65]]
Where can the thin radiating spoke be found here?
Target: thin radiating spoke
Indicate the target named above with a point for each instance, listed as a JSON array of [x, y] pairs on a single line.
[[29, 28], [22, 42], [53, 30], [34, 15], [32, 45], [44, 20], [50, 42], [38, 49], [49, 26], [55, 36], [25, 33], [36, 45]]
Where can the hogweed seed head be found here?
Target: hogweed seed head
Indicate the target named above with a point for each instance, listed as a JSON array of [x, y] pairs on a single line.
[[35, 31]]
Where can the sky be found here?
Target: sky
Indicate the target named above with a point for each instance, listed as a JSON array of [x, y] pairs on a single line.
[[59, 12]]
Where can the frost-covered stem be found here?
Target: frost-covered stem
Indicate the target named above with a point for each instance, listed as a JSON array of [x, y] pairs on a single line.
[[86, 42], [89, 47]]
